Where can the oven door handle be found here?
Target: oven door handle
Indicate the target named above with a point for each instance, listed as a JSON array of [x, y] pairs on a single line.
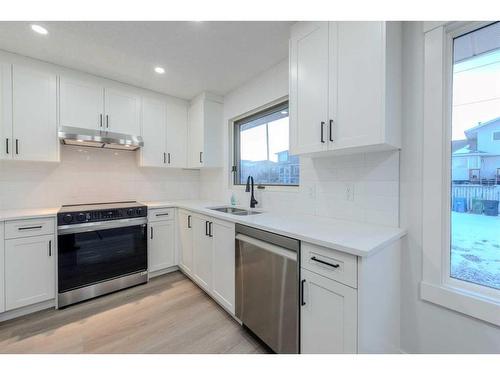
[[100, 225]]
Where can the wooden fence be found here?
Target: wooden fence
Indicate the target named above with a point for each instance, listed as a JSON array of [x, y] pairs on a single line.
[[475, 191]]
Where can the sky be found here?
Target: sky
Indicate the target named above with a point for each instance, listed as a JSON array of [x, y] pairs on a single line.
[[253, 141], [476, 92]]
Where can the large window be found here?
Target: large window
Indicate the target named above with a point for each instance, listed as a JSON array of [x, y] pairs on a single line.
[[261, 149], [475, 185]]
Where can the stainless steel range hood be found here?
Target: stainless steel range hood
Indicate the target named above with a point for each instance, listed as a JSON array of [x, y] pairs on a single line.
[[99, 139]]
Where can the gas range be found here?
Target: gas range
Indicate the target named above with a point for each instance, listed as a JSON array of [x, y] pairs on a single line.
[[95, 212], [102, 248]]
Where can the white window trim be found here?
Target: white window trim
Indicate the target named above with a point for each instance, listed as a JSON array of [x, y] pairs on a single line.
[[437, 286]]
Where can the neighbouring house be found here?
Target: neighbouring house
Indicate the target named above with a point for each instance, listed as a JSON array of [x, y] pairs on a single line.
[[476, 159]]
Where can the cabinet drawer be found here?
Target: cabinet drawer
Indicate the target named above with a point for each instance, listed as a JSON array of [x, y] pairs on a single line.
[[160, 214], [330, 263], [29, 227]]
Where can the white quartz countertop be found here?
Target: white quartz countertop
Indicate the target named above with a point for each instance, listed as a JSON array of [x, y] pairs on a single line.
[[28, 213], [359, 239]]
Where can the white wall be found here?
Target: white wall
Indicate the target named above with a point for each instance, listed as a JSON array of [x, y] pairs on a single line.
[[425, 327], [87, 175], [375, 177]]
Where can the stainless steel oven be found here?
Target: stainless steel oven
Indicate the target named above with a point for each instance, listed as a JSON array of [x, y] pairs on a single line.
[[102, 252]]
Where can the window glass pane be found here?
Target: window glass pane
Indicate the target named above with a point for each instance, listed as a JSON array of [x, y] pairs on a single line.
[[263, 149], [475, 190]]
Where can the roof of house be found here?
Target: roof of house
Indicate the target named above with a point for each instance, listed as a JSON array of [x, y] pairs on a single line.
[[481, 125]]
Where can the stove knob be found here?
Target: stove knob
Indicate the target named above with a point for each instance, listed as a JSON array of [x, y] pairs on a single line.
[[80, 217], [68, 218], [130, 212], [138, 211]]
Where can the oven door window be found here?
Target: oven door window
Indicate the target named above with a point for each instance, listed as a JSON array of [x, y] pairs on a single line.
[[90, 257]]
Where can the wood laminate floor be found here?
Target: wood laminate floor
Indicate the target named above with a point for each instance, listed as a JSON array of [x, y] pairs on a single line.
[[170, 314]]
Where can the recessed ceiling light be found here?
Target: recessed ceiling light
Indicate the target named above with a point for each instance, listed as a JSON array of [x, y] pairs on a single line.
[[39, 29], [159, 70]]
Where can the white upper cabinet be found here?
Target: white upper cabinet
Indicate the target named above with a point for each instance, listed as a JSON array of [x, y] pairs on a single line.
[[122, 111], [91, 104], [5, 111], [205, 132], [34, 115], [154, 133], [309, 86], [177, 134], [345, 87], [81, 103]]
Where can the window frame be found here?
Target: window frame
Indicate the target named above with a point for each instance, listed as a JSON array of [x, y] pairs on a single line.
[[235, 140], [437, 285], [493, 136]]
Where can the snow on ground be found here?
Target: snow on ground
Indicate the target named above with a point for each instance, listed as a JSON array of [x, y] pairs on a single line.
[[475, 254]]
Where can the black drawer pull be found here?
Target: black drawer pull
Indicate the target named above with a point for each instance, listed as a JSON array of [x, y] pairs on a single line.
[[323, 262], [330, 131], [189, 221], [165, 214], [302, 302], [151, 232], [322, 132], [35, 227]]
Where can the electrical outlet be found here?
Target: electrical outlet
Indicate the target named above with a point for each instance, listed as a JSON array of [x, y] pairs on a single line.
[[349, 191]]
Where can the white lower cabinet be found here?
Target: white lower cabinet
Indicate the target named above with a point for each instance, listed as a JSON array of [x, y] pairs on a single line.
[[29, 270], [328, 315], [223, 264], [2, 269], [207, 255], [185, 242], [161, 245], [202, 251]]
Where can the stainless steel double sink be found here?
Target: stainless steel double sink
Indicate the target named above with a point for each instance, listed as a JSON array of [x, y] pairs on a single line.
[[235, 211]]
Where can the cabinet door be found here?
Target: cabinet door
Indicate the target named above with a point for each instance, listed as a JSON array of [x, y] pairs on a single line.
[[29, 271], [81, 104], [122, 111], [328, 316], [202, 252], [360, 84], [161, 245], [186, 241], [153, 133], [177, 135], [195, 135], [309, 63], [34, 115], [223, 264], [5, 111], [2, 269]]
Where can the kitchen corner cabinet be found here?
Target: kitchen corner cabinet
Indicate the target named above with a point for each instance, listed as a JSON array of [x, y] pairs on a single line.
[[164, 131], [161, 240], [205, 132], [28, 114], [207, 255], [91, 105], [345, 87], [29, 270]]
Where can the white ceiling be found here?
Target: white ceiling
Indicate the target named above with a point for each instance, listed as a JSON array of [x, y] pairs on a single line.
[[197, 56]]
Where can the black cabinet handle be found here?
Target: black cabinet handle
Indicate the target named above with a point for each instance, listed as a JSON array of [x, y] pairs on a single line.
[[201, 156], [322, 132], [330, 131], [151, 232], [50, 248], [107, 121], [164, 158], [206, 228], [189, 221], [210, 229], [302, 302], [7, 145], [168, 158], [323, 262], [35, 227], [100, 120], [17, 146]]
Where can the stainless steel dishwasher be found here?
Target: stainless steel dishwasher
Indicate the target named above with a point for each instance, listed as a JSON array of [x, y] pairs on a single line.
[[267, 287]]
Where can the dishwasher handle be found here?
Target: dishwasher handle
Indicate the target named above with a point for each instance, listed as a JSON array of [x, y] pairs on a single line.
[[267, 246]]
